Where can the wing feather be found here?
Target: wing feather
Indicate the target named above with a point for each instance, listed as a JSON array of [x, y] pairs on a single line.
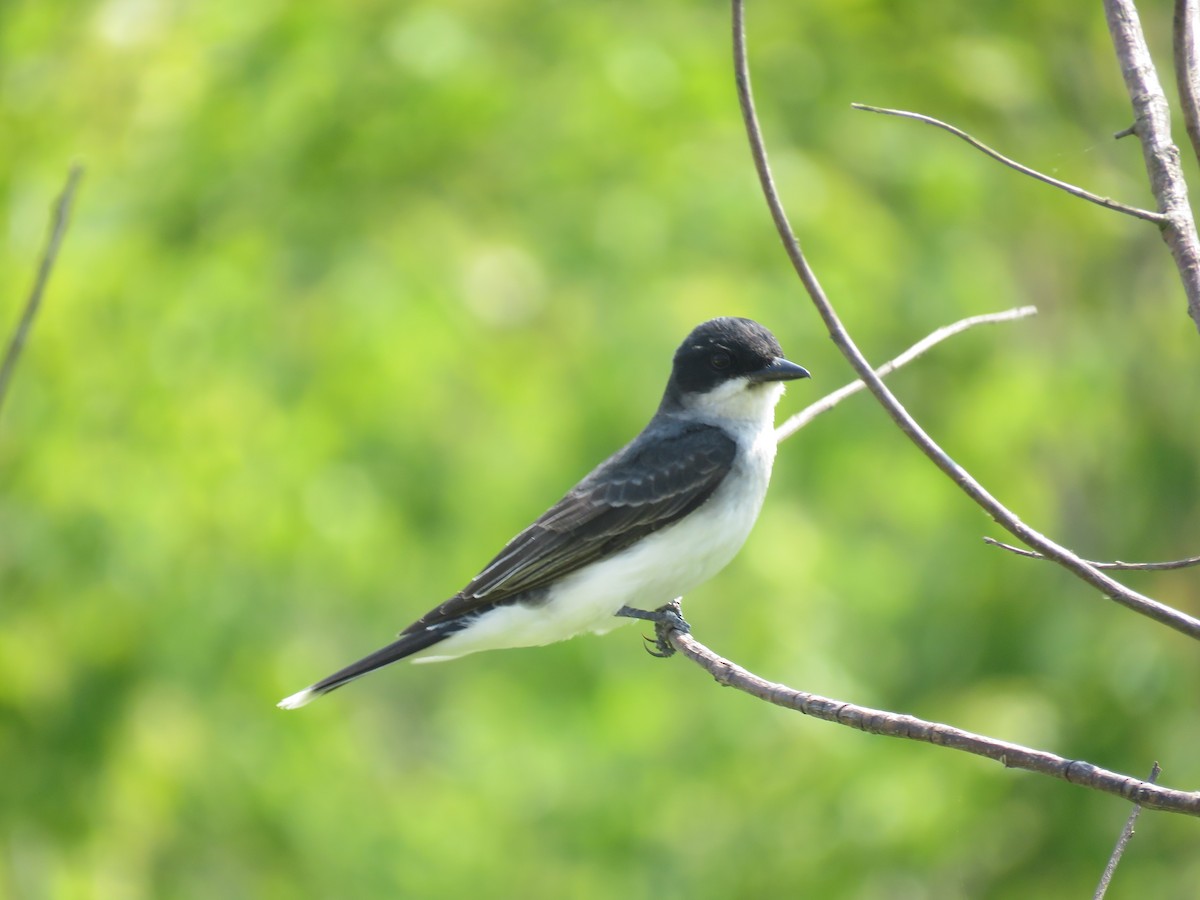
[[647, 485]]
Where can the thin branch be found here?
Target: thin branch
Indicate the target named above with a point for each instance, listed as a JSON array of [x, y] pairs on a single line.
[[1152, 124], [876, 721], [1116, 564], [1122, 841], [1071, 189], [1159, 612], [1187, 68], [829, 401], [58, 227]]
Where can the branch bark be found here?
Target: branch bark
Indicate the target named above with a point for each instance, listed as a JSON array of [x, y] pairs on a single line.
[[1111, 588], [1152, 125], [1187, 68], [876, 721]]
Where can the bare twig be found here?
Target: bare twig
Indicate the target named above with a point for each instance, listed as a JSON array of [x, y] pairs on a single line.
[[1122, 841], [829, 401], [876, 721], [1159, 612], [1187, 68], [1152, 124], [1071, 189], [58, 228], [1116, 564]]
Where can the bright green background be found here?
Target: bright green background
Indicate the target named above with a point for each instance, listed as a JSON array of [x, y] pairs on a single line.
[[355, 289]]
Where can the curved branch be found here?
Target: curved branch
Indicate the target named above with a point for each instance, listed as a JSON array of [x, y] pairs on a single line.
[[1152, 125], [979, 145], [1111, 588], [829, 401], [875, 721]]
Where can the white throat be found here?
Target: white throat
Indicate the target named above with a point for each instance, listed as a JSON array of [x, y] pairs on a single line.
[[738, 404]]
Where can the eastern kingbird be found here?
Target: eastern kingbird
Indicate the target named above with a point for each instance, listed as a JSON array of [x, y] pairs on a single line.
[[654, 520]]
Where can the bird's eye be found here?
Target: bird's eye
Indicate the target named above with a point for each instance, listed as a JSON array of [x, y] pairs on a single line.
[[721, 360]]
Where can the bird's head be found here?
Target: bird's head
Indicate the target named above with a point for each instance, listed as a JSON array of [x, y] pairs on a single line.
[[729, 369]]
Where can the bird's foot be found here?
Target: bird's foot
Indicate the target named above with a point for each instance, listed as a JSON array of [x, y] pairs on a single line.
[[666, 619]]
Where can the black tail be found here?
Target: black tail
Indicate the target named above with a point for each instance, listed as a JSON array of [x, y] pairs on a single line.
[[407, 645]]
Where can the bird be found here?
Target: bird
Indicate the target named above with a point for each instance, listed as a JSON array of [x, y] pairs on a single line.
[[656, 519]]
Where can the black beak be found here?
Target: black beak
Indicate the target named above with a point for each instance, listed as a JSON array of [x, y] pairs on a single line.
[[779, 370]]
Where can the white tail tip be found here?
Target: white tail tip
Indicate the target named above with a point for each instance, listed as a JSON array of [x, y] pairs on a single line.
[[297, 700]]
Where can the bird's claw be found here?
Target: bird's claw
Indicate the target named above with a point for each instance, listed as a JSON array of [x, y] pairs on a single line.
[[666, 619], [657, 647]]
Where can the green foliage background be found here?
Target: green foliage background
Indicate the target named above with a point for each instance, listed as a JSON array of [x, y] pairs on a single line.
[[355, 289]]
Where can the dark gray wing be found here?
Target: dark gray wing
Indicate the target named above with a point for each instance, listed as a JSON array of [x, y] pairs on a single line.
[[651, 483]]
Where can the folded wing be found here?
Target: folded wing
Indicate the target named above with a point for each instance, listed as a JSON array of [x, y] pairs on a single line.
[[642, 488]]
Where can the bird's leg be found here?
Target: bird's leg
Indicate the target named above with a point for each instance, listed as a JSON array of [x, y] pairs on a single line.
[[666, 619]]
